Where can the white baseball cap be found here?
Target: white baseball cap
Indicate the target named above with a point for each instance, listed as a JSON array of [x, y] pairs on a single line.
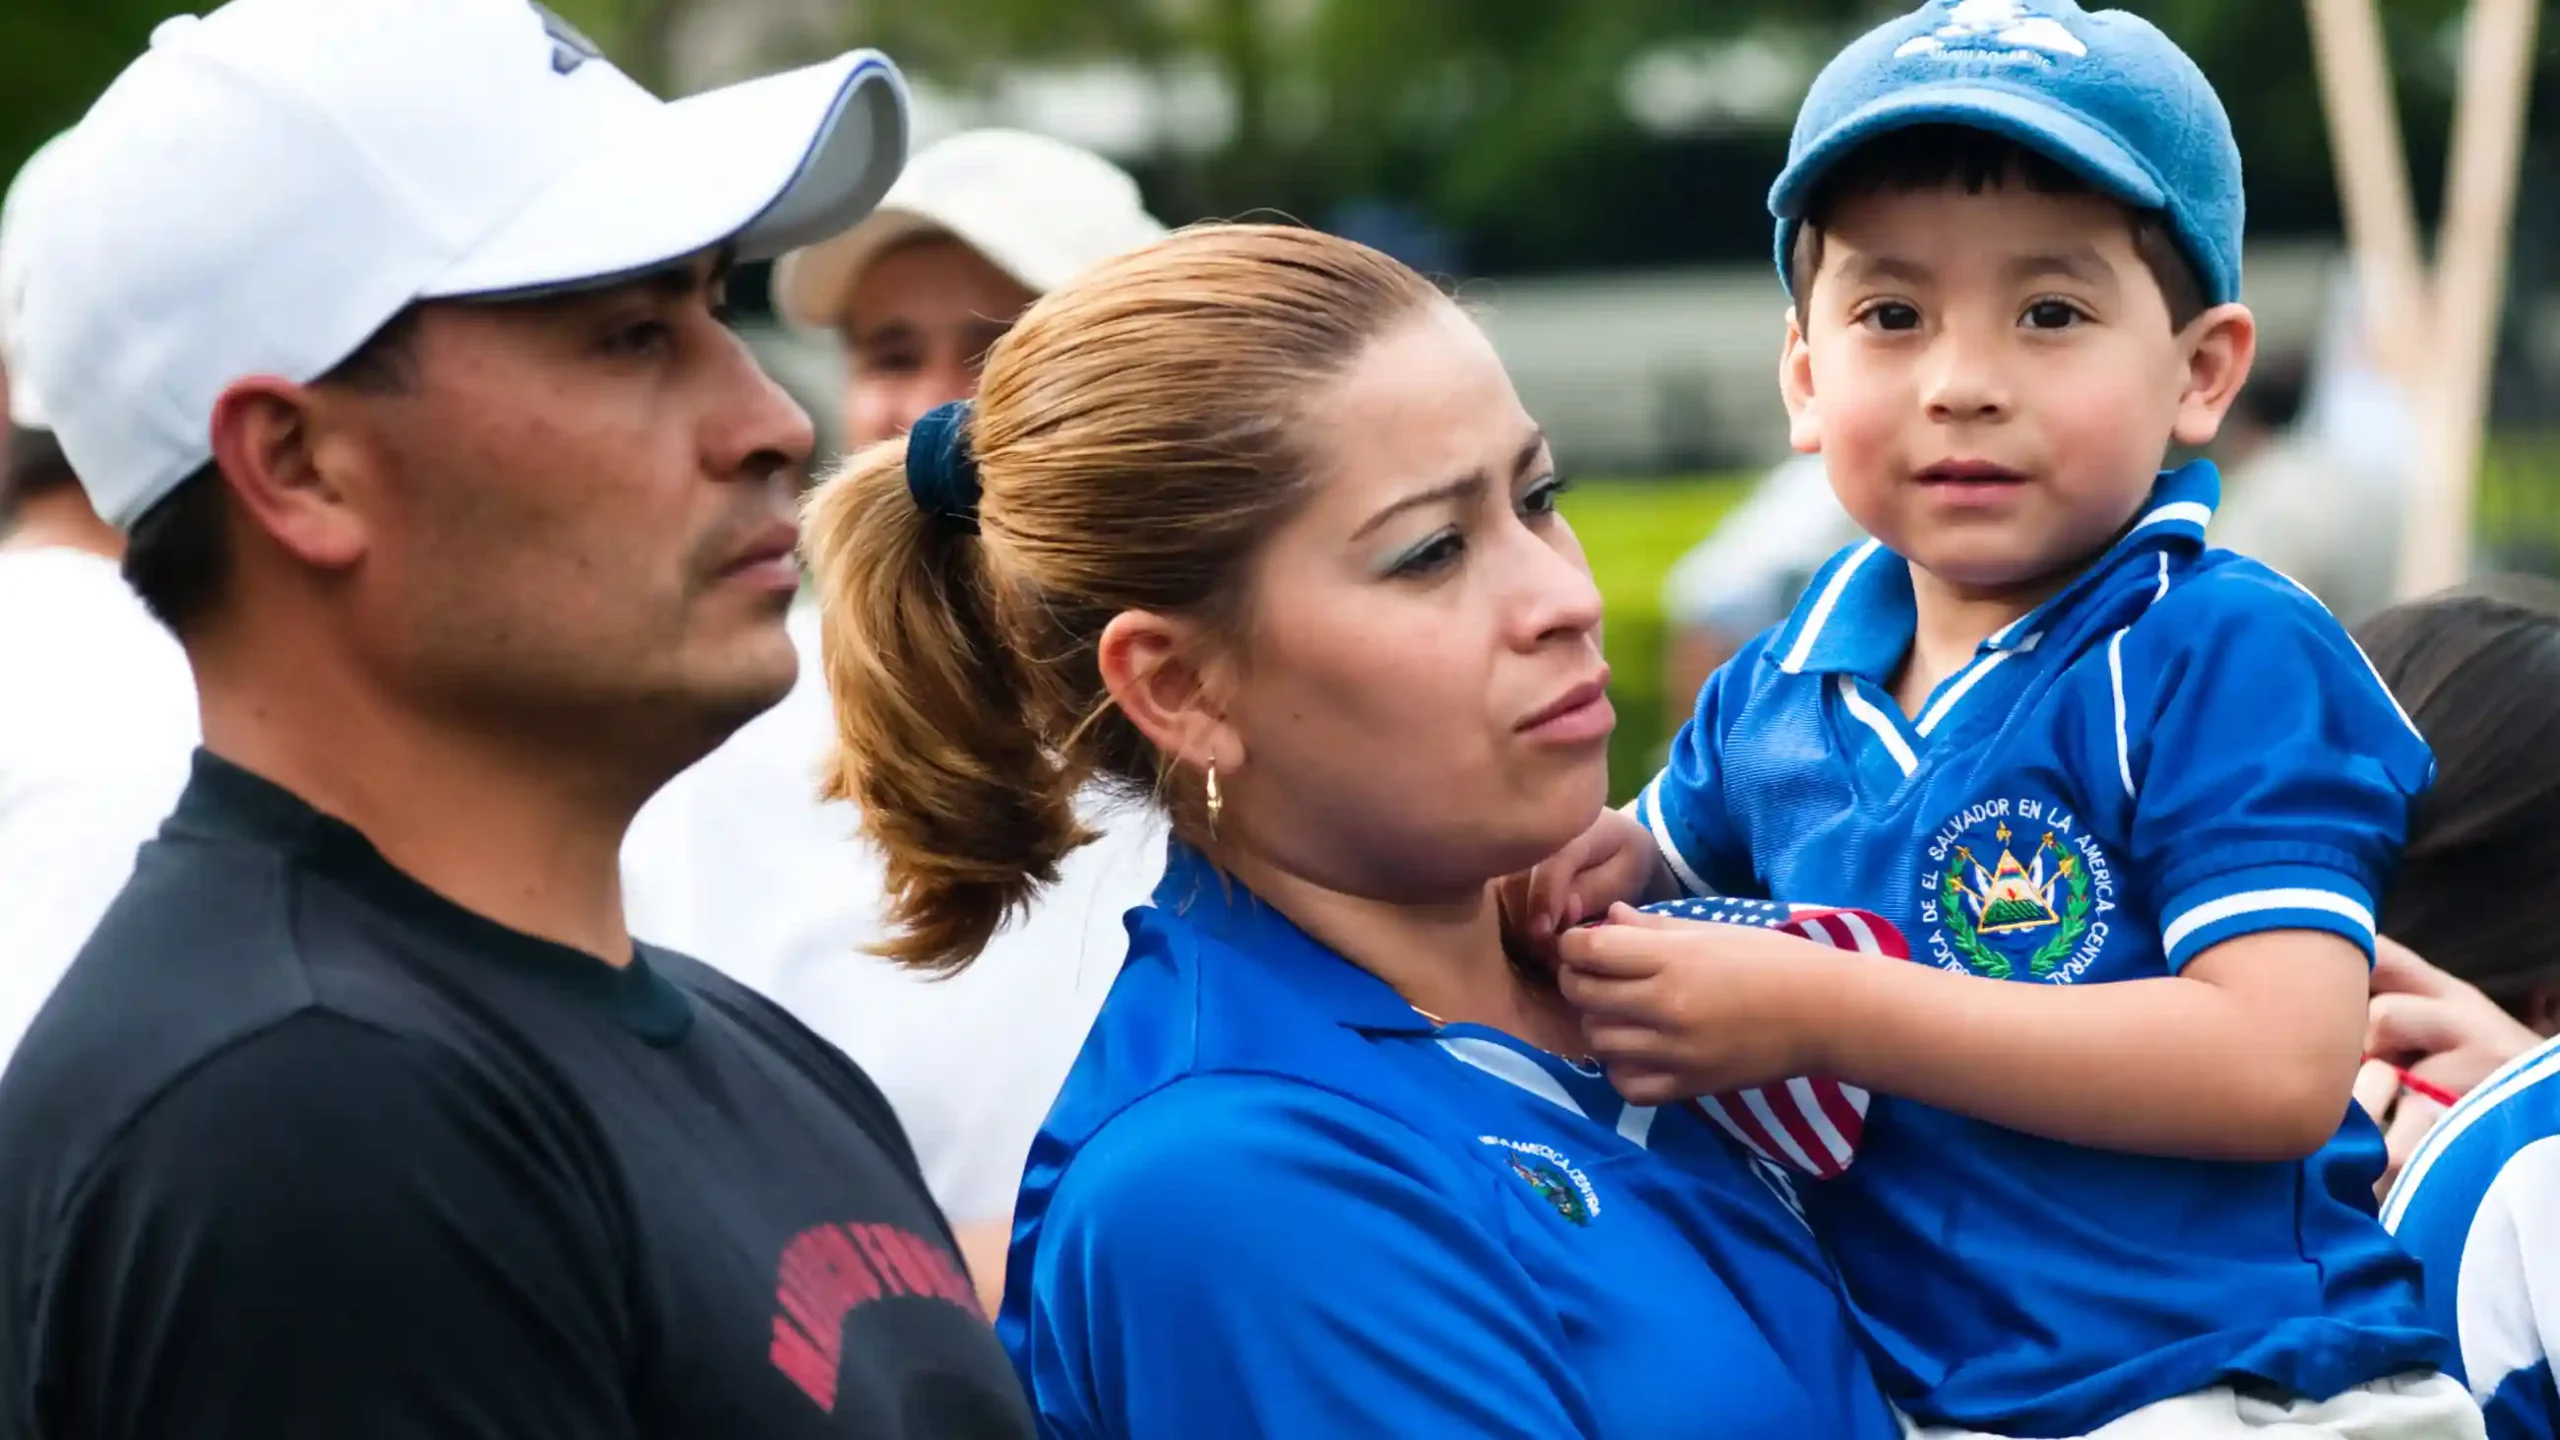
[[270, 184], [26, 406], [1041, 210]]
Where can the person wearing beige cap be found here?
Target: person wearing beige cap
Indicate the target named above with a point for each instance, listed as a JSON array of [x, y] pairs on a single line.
[[741, 863], [979, 226]]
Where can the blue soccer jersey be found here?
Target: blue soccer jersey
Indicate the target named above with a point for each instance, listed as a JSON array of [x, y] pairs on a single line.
[[2479, 1205], [1274, 1199], [2180, 748]]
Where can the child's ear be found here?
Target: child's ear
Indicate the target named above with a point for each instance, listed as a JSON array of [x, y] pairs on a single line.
[[2221, 344], [1795, 382]]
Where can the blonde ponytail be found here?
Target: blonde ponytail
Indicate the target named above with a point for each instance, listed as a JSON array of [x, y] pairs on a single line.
[[972, 811]]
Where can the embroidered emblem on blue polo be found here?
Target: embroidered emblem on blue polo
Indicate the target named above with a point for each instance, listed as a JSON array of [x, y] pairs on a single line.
[[2018, 891]]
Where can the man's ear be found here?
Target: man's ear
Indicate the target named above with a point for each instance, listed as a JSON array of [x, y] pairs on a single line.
[[1795, 382], [284, 460], [2221, 346], [1173, 684]]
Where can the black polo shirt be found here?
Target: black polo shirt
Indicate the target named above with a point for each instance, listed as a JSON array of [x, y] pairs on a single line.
[[302, 1149]]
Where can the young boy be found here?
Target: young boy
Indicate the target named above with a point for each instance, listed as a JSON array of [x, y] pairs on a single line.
[[2130, 799]]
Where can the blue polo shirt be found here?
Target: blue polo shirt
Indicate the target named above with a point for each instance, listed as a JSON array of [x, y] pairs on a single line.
[[2479, 1205], [2180, 748], [1274, 1199]]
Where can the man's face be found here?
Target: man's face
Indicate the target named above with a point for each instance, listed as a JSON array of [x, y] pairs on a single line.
[[580, 518], [918, 325]]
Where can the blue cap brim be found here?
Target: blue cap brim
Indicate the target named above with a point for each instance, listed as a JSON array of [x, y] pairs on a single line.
[[2037, 123]]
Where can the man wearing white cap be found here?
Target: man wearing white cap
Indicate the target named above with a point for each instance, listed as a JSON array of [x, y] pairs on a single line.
[[391, 332], [740, 863], [97, 712]]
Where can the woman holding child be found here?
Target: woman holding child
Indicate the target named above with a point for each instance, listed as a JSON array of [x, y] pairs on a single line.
[[1253, 522]]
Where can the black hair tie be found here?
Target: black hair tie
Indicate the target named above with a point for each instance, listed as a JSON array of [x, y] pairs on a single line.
[[942, 474]]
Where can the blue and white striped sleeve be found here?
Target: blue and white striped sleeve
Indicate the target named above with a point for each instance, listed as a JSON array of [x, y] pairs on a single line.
[[1684, 808], [2479, 1209], [2268, 770]]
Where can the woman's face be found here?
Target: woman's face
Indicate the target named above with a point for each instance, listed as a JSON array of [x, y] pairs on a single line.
[[1420, 703]]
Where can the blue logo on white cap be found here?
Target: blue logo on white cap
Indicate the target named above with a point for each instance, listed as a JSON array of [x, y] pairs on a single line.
[[2008, 29]]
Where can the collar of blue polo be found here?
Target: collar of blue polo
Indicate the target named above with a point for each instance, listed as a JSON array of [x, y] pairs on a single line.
[[1267, 949], [1857, 618]]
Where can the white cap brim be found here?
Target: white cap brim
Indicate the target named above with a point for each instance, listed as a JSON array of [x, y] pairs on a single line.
[[812, 286], [765, 166]]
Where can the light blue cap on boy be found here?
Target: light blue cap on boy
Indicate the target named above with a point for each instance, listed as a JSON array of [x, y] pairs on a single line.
[[2106, 95]]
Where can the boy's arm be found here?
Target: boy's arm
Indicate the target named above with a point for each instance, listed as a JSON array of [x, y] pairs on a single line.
[[2248, 1054], [2268, 775]]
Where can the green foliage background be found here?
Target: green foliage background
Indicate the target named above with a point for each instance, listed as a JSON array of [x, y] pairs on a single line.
[[1499, 121]]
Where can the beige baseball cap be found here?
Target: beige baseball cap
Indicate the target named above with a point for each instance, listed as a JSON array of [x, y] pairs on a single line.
[[1041, 210]]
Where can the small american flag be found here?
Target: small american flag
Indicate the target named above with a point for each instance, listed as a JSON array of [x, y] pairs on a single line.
[[1809, 1125]]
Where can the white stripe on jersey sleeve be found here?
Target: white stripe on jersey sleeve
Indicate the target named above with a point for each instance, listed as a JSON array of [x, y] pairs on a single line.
[[2507, 1294], [2253, 902]]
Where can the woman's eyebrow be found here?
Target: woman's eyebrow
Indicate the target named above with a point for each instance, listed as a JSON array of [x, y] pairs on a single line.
[[1466, 486]]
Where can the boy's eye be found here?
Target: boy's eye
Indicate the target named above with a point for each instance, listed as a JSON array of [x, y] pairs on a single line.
[[2052, 315], [1890, 316]]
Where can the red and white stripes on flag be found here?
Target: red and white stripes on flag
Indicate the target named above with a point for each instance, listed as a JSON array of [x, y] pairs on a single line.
[[1810, 1125]]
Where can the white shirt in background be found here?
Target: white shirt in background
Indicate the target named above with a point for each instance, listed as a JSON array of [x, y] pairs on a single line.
[[738, 864], [97, 727], [1745, 576]]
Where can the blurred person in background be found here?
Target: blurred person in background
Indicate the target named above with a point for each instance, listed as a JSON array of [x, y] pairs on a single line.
[[2320, 497], [1746, 575], [2478, 669], [2477, 1200], [394, 334], [742, 862], [97, 710]]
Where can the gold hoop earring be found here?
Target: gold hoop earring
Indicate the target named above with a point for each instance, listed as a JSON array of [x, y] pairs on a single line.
[[1216, 802]]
